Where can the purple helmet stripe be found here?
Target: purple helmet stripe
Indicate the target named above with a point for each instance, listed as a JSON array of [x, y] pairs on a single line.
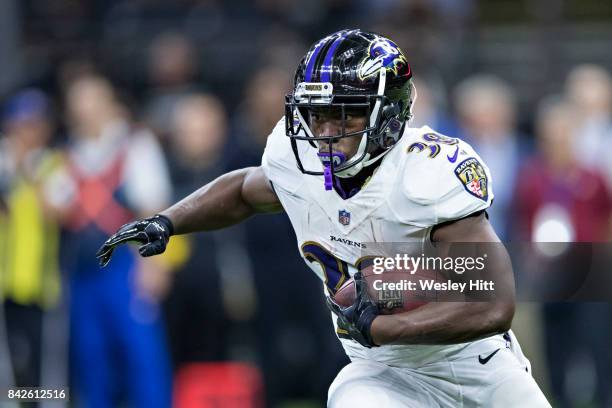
[[326, 67], [313, 58]]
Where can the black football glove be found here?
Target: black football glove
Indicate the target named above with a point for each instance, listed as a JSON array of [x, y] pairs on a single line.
[[152, 233], [355, 321]]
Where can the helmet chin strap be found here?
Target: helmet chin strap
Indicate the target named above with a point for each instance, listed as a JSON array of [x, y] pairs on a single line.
[[339, 159], [352, 171]]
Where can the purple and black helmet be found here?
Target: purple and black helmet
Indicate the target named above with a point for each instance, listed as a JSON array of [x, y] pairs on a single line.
[[346, 71]]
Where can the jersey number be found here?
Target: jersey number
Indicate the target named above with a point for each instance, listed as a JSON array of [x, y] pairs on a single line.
[[335, 270], [434, 144]]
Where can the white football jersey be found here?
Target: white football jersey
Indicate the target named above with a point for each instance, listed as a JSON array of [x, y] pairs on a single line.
[[426, 179]]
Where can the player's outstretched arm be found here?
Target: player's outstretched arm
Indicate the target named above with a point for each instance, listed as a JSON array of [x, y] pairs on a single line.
[[456, 322], [225, 201]]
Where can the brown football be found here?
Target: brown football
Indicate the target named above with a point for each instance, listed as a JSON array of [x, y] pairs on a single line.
[[391, 290]]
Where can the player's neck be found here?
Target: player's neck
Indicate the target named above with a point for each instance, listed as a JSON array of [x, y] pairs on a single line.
[[348, 187]]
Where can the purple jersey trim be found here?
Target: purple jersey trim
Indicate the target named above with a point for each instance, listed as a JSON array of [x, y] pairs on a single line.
[[342, 192]]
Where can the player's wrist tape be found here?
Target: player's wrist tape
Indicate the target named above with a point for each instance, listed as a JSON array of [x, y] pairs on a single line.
[[167, 223], [364, 325]]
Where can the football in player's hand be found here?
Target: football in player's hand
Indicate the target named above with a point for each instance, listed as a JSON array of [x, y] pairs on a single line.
[[393, 291]]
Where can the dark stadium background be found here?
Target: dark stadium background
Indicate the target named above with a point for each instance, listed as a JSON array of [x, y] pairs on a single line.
[[244, 295]]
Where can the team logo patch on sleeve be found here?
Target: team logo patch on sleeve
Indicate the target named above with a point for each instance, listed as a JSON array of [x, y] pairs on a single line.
[[472, 175]]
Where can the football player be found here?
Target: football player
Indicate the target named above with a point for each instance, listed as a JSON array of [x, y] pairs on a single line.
[[347, 170]]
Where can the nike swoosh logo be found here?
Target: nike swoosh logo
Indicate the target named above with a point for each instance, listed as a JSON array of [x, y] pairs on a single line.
[[487, 358], [453, 158]]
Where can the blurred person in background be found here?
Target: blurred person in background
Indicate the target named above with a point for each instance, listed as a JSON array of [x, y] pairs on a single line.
[[197, 138], [259, 111], [292, 328], [486, 112], [172, 70], [559, 200], [199, 132], [589, 89], [556, 176], [29, 234], [429, 107], [214, 287], [115, 171]]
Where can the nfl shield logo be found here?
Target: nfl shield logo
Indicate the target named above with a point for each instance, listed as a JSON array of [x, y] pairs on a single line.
[[344, 217]]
